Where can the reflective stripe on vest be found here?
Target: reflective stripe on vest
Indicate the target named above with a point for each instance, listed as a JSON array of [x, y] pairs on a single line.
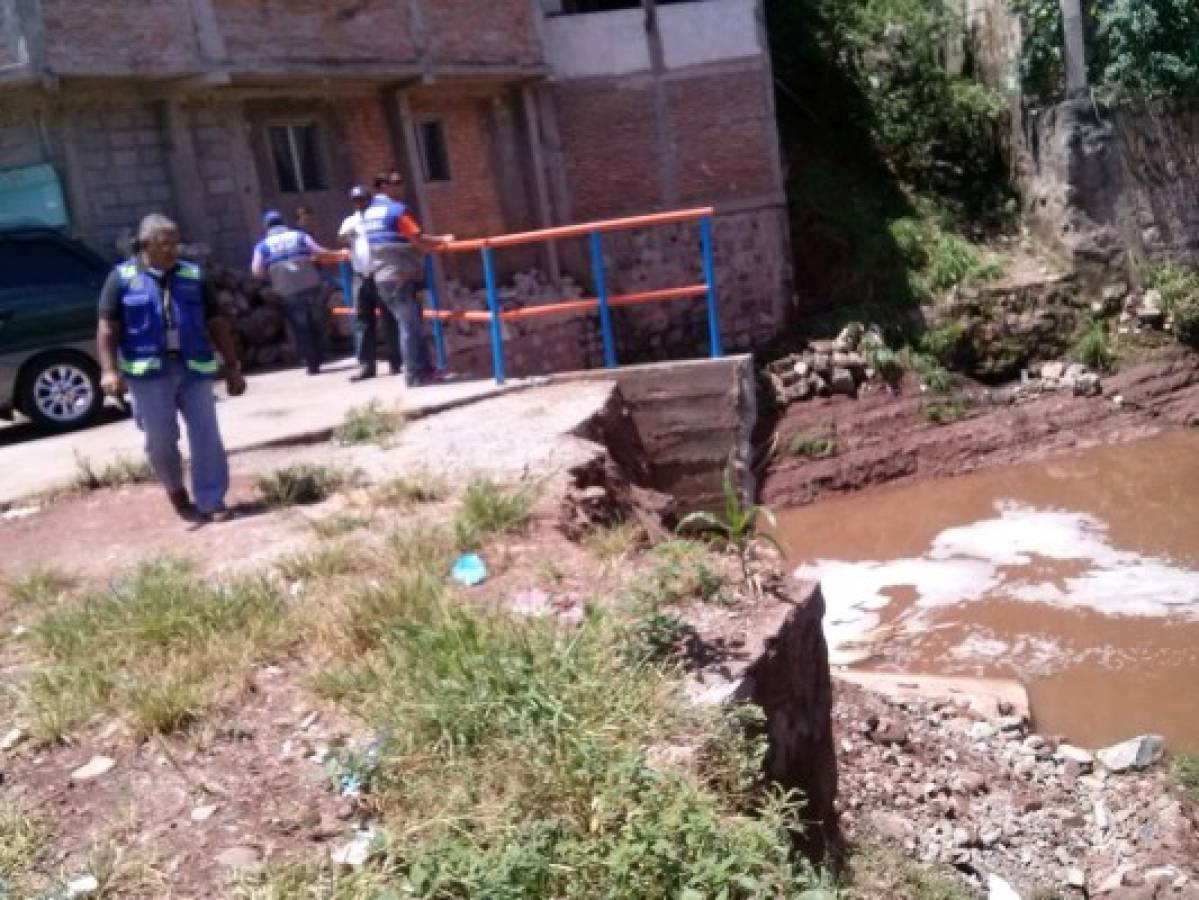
[[139, 368]]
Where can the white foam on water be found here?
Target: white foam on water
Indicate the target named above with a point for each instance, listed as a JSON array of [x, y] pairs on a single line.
[[969, 563]]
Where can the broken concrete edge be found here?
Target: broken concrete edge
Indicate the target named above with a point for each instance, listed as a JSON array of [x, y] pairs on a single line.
[[990, 697]]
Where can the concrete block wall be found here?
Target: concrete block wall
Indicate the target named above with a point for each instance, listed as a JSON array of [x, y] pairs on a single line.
[[20, 138], [122, 156], [217, 130], [12, 49]]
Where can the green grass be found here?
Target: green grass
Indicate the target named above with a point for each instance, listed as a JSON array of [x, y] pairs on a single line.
[[615, 542], [681, 571], [813, 445], [120, 472], [341, 524], [1093, 348], [24, 842], [945, 412], [1179, 287], [39, 586], [489, 508], [321, 563], [1186, 770], [877, 872], [299, 485], [157, 647], [418, 487], [369, 424]]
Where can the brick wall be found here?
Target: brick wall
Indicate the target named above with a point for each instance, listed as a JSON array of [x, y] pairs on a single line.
[[367, 138], [123, 159], [469, 204], [609, 147], [316, 31], [20, 143], [119, 37], [720, 132], [482, 31]]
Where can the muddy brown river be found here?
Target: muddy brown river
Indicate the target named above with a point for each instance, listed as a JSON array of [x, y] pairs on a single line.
[[1079, 577]]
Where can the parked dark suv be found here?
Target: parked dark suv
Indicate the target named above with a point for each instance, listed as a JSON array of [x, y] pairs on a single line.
[[49, 285]]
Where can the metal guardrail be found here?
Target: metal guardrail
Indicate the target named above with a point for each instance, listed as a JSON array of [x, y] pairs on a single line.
[[602, 303]]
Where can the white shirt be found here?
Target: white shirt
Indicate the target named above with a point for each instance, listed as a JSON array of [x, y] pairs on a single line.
[[360, 246]]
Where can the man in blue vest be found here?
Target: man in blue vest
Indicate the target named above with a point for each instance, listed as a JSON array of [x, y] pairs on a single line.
[[396, 241], [159, 325], [289, 257]]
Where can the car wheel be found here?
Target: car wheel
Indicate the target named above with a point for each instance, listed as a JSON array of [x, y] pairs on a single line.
[[61, 391]]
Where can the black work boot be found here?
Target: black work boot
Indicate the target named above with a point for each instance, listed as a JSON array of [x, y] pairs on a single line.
[[362, 374]]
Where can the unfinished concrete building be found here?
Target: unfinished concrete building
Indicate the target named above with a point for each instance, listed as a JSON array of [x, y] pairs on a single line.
[[505, 114]]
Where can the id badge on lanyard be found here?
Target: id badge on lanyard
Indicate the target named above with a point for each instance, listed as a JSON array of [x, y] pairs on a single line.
[[168, 318]]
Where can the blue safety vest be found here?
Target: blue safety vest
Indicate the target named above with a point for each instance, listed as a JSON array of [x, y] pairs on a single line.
[[394, 256], [143, 343], [288, 260]]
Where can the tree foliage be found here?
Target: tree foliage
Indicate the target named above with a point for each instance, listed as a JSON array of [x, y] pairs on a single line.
[[1147, 46]]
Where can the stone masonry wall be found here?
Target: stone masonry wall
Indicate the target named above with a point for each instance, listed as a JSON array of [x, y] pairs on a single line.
[[1112, 190]]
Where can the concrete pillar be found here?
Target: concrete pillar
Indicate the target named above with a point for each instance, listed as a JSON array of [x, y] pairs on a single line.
[[667, 176], [1075, 49], [540, 184], [185, 173], [208, 32]]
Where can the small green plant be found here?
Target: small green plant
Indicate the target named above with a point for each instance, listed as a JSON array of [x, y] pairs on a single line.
[[661, 638], [39, 586], [949, 344], [1179, 287], [1186, 770], [418, 487], [24, 840], [887, 364], [935, 377], [738, 526], [490, 508], [1093, 347], [945, 412], [300, 485], [121, 472], [369, 424], [419, 547], [813, 445], [877, 871], [682, 572]]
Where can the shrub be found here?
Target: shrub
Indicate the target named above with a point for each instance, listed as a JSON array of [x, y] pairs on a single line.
[[1179, 287], [1093, 347], [949, 344], [813, 446], [944, 412]]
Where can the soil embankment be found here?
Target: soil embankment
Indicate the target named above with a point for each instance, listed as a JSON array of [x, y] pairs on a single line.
[[884, 437]]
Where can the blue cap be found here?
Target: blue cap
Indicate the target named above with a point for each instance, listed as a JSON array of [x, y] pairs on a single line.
[[271, 218]]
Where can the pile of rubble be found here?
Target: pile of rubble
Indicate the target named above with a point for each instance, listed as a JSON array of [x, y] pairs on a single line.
[[1144, 312], [1050, 377], [1018, 813], [826, 368], [259, 328]]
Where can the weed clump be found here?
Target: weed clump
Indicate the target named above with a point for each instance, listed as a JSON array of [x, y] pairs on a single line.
[[1093, 348], [369, 424], [300, 485], [121, 472], [945, 412], [489, 508], [813, 445]]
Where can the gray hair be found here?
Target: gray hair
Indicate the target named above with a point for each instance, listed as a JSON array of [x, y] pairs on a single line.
[[154, 224]]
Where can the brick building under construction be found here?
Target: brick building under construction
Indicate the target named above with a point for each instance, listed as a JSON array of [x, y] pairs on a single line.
[[506, 115]]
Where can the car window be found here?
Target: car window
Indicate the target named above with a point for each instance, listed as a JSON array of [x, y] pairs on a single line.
[[42, 263]]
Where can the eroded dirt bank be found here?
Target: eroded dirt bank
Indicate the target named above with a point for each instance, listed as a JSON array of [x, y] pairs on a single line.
[[885, 437]]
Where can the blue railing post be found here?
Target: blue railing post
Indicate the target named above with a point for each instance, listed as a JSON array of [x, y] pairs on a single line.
[[493, 304], [435, 306], [347, 283], [601, 293], [705, 240]]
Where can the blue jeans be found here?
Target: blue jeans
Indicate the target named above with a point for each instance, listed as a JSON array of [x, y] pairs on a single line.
[[400, 297], [157, 403], [305, 314], [366, 302]]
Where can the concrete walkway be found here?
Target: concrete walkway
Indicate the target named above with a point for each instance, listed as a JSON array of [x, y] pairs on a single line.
[[277, 408]]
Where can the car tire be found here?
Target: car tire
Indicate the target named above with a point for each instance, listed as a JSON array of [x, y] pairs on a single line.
[[60, 391]]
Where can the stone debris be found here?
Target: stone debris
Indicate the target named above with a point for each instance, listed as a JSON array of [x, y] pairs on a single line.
[[1052, 377], [98, 766], [826, 368], [356, 852], [1017, 812], [1136, 754], [82, 886], [203, 813], [244, 859], [11, 738]]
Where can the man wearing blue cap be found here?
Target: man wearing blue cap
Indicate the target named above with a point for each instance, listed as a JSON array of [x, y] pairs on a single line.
[[289, 257]]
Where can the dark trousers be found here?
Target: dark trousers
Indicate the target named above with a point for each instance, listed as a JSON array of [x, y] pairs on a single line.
[[367, 307], [305, 314]]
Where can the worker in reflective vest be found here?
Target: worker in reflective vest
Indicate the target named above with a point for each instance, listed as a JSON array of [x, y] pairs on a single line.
[[396, 245], [159, 325]]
